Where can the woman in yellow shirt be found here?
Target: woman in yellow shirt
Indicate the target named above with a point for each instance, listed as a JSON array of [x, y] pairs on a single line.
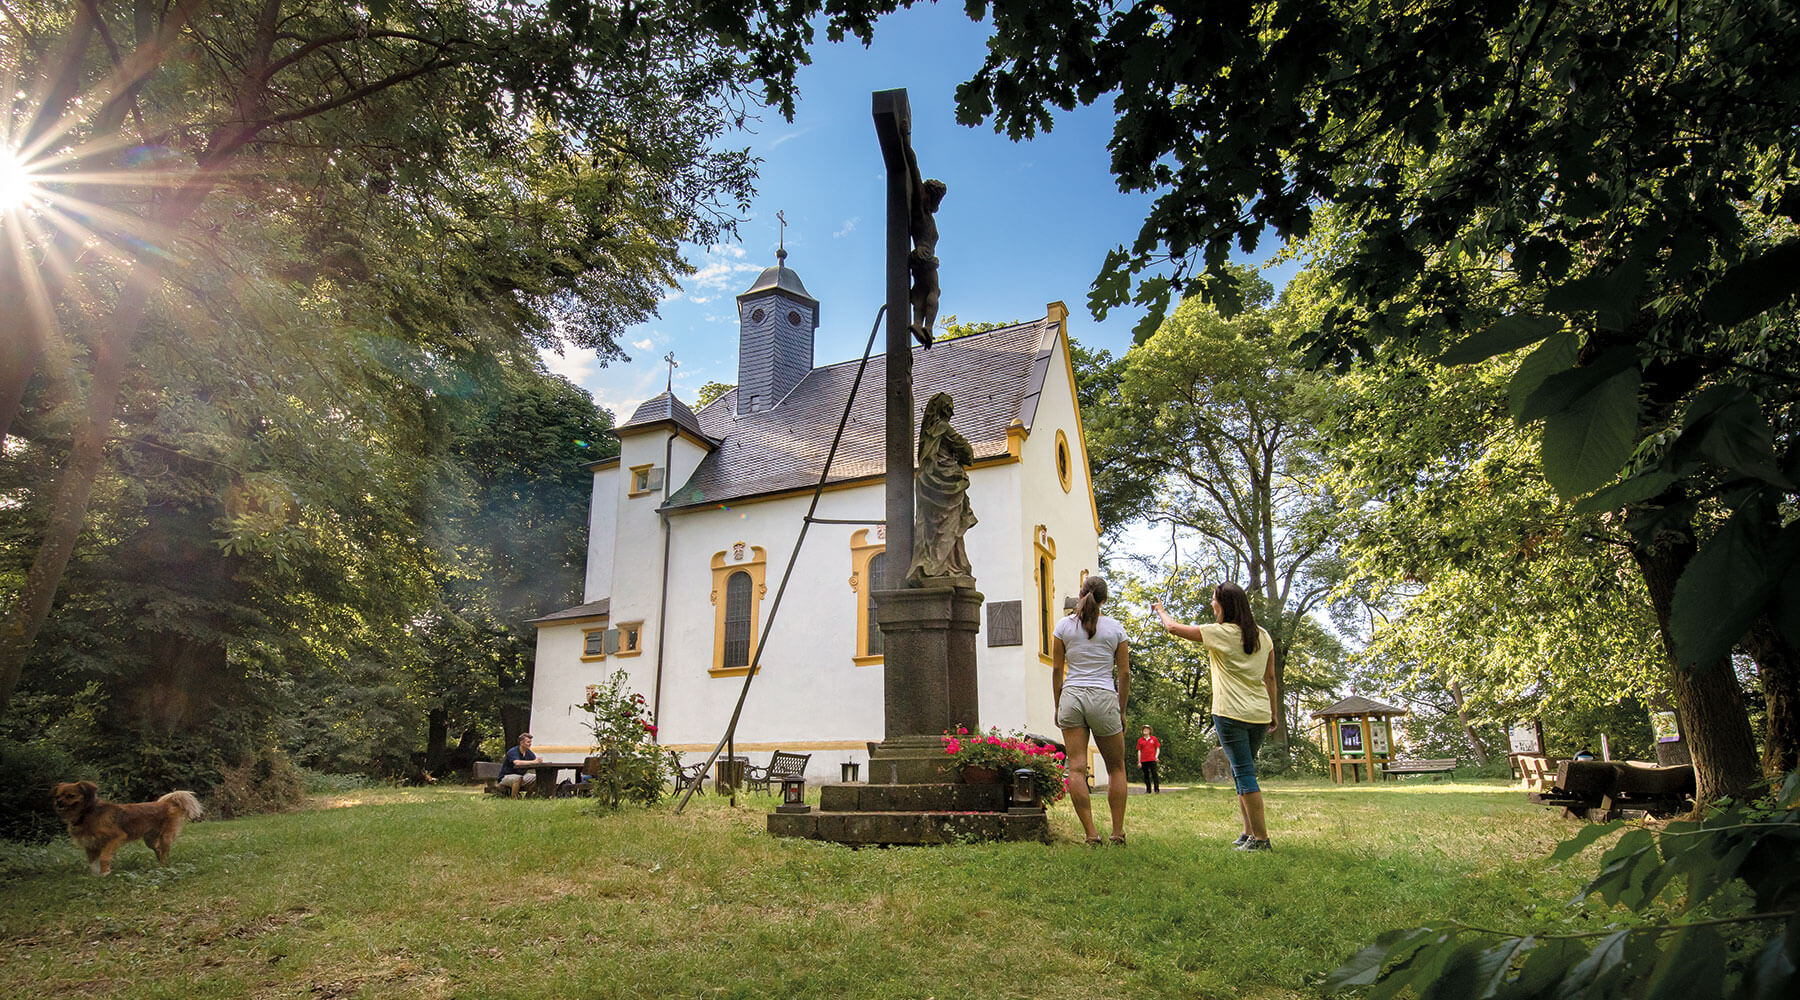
[[1243, 703]]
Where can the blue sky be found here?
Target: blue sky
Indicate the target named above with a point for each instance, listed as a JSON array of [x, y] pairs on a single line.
[[1023, 224]]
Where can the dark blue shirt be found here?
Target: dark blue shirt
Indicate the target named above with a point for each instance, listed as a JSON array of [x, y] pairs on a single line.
[[513, 756]]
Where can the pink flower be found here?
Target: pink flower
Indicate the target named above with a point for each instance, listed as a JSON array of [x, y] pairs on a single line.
[[1062, 756]]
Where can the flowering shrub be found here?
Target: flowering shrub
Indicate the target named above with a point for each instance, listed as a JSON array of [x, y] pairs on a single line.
[[1009, 753], [633, 768]]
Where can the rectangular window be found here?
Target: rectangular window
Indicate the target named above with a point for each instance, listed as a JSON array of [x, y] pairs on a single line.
[[630, 639], [645, 479], [593, 643]]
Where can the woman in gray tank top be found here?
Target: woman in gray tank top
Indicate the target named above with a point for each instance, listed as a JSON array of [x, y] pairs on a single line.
[[1090, 662]]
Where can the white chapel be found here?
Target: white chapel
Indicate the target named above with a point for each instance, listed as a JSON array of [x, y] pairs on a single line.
[[692, 526]]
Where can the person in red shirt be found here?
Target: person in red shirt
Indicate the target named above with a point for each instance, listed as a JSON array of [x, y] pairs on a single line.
[[1148, 748]]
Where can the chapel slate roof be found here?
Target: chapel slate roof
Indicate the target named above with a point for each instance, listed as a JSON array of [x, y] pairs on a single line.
[[993, 377], [780, 278], [665, 408], [1357, 705], [592, 609]]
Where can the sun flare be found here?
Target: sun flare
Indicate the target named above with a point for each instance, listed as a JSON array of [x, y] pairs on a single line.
[[17, 184]]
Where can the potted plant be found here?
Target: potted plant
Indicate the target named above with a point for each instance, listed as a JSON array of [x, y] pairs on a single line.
[[992, 756]]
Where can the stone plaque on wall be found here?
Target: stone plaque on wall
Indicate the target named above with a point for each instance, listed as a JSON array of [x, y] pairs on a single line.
[[1004, 626]]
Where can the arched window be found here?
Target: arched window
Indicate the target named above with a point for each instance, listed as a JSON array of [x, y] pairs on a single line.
[[1044, 575], [867, 567], [737, 620], [737, 596], [877, 566]]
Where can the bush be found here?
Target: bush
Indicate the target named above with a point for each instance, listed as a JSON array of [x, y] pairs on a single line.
[[322, 783], [633, 769], [1307, 759], [30, 769], [265, 782]]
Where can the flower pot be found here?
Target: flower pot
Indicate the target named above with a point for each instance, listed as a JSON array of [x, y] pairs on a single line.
[[975, 774]]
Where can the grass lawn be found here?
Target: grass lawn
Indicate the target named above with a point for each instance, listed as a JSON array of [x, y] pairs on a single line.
[[446, 893]]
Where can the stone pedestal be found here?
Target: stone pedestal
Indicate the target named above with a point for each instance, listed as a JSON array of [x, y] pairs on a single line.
[[928, 658]]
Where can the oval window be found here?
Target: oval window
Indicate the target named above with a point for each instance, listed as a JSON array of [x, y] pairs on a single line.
[[1064, 468], [794, 317], [757, 316]]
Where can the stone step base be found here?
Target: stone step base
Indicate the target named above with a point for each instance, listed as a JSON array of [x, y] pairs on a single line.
[[900, 827], [936, 797]]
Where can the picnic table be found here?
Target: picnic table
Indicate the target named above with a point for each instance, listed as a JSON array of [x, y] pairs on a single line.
[[546, 771]]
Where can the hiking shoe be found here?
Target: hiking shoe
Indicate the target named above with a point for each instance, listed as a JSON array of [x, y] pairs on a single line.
[[1243, 838], [1255, 845]]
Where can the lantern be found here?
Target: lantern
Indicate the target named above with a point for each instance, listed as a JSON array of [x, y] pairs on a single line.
[[793, 796], [1024, 792], [850, 769]]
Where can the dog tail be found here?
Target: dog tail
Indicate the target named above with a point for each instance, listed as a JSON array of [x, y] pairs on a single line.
[[187, 802]]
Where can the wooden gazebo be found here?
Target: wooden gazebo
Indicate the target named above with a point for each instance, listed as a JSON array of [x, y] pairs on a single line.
[[1358, 736]]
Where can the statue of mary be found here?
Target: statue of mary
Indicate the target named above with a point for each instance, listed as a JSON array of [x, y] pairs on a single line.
[[941, 512]]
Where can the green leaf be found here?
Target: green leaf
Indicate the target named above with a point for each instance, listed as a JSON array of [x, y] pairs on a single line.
[[1585, 445], [1723, 588], [1456, 979], [1507, 334], [1754, 286], [1364, 967], [1564, 389], [1773, 976], [1630, 490], [1611, 297], [1736, 436], [1692, 965], [1595, 968], [1547, 965], [1790, 790], [1495, 965], [1583, 837], [1554, 355]]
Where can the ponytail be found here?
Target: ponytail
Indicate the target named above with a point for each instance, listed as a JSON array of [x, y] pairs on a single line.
[[1234, 609], [1087, 608]]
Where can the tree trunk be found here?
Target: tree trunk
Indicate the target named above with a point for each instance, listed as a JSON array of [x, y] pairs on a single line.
[[1462, 716], [437, 739], [32, 606], [468, 749], [1779, 667], [1714, 720]]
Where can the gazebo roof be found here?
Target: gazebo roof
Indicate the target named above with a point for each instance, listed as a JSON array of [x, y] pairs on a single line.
[[1356, 705]]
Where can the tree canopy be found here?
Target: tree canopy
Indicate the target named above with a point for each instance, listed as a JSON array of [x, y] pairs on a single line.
[[1614, 184]]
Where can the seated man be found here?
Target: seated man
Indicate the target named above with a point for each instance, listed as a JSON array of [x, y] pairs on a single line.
[[512, 780]]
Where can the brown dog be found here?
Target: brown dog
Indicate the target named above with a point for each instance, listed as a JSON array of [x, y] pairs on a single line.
[[102, 827]]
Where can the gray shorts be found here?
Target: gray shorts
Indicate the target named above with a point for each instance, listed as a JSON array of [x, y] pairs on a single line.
[[1093, 709]]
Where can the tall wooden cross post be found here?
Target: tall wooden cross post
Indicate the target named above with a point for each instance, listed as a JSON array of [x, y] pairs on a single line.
[[928, 631], [893, 125]]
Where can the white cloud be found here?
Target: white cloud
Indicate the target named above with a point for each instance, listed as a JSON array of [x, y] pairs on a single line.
[[576, 365], [795, 134], [849, 227], [643, 345], [723, 269]]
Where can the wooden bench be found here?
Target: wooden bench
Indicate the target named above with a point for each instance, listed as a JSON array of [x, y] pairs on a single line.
[[1442, 765], [488, 772], [1539, 772], [781, 765]]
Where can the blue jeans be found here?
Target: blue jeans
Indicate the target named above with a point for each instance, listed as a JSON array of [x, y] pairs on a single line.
[[1241, 741]]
